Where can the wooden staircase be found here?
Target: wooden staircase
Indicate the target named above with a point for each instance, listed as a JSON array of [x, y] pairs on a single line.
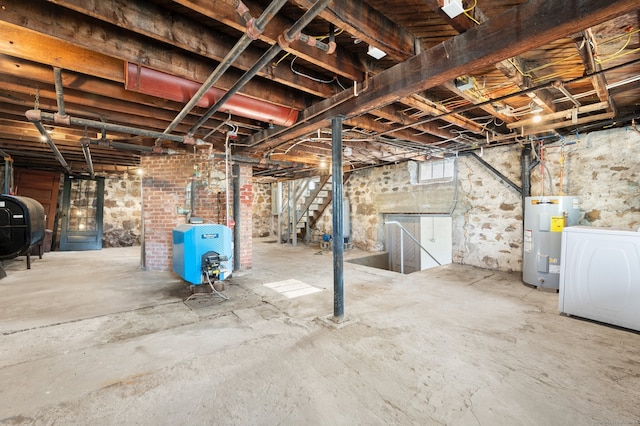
[[303, 202]]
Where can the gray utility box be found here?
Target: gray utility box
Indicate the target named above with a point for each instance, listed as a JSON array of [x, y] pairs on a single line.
[[544, 220]]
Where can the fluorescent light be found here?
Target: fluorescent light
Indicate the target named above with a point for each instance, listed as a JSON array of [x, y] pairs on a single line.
[[453, 8], [376, 53]]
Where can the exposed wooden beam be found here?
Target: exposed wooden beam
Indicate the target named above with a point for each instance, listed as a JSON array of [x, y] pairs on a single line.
[[33, 46], [584, 42], [340, 63], [46, 19], [189, 35], [369, 25], [500, 38]]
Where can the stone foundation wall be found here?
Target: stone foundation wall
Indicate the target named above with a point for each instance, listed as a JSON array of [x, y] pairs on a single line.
[[263, 222], [122, 212], [601, 168]]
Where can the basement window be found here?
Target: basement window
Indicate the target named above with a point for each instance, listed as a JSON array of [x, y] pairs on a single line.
[[436, 171]]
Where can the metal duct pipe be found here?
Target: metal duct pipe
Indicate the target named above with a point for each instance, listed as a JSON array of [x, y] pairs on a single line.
[[37, 116], [155, 83], [52, 144], [254, 29], [84, 143], [265, 59]]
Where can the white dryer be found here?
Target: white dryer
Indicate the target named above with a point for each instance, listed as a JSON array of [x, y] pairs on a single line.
[[600, 275]]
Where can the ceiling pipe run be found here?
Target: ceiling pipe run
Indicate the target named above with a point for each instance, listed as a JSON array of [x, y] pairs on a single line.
[[37, 116], [560, 86], [254, 29], [130, 146], [62, 117], [156, 83], [57, 79], [51, 144], [265, 59], [84, 143]]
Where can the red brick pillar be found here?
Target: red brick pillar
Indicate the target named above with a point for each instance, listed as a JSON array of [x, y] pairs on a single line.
[[246, 216], [164, 186]]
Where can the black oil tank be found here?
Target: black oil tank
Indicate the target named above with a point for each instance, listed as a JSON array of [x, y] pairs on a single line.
[[22, 225]]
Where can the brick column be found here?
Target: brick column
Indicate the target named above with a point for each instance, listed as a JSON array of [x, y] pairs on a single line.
[[246, 216], [164, 190]]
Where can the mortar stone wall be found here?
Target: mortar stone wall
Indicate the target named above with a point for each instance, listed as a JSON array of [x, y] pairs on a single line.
[[261, 215], [122, 213], [164, 190], [601, 168]]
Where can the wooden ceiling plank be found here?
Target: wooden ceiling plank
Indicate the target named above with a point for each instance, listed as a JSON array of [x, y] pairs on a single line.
[[340, 63], [369, 25], [46, 19], [191, 36], [23, 43], [583, 41], [498, 39]]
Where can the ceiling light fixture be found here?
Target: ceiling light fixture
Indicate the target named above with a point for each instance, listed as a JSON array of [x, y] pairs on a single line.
[[537, 118], [453, 8], [375, 52]]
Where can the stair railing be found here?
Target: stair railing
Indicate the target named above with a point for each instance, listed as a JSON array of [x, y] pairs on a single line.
[[404, 231]]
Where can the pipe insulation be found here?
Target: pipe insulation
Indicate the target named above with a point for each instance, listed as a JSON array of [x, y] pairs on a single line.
[[148, 81]]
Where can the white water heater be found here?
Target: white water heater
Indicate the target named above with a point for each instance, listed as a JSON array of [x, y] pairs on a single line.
[[544, 220]]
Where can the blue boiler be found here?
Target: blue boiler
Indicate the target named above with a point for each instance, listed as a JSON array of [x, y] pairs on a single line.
[[201, 250]]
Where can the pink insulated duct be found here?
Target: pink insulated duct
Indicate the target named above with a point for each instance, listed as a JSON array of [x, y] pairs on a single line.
[[156, 83]]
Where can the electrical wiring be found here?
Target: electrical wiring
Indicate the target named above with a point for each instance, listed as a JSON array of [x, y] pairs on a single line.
[[318, 80], [619, 53], [466, 12]]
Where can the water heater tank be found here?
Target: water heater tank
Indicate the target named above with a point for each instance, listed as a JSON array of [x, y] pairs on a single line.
[[544, 220]]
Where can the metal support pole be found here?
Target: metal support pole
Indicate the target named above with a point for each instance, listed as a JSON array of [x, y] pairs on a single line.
[[294, 211], [289, 201], [401, 252], [338, 219]]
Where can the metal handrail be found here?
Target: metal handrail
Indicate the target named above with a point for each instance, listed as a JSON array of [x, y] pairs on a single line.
[[404, 230]]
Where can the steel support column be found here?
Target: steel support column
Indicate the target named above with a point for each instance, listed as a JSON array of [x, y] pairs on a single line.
[[338, 219]]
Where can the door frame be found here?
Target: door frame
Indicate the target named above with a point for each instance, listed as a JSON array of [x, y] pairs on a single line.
[[71, 240]]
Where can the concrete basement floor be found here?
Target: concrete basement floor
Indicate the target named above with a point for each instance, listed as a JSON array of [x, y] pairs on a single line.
[[88, 338]]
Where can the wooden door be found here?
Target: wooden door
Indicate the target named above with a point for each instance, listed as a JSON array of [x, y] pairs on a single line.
[[82, 205]]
